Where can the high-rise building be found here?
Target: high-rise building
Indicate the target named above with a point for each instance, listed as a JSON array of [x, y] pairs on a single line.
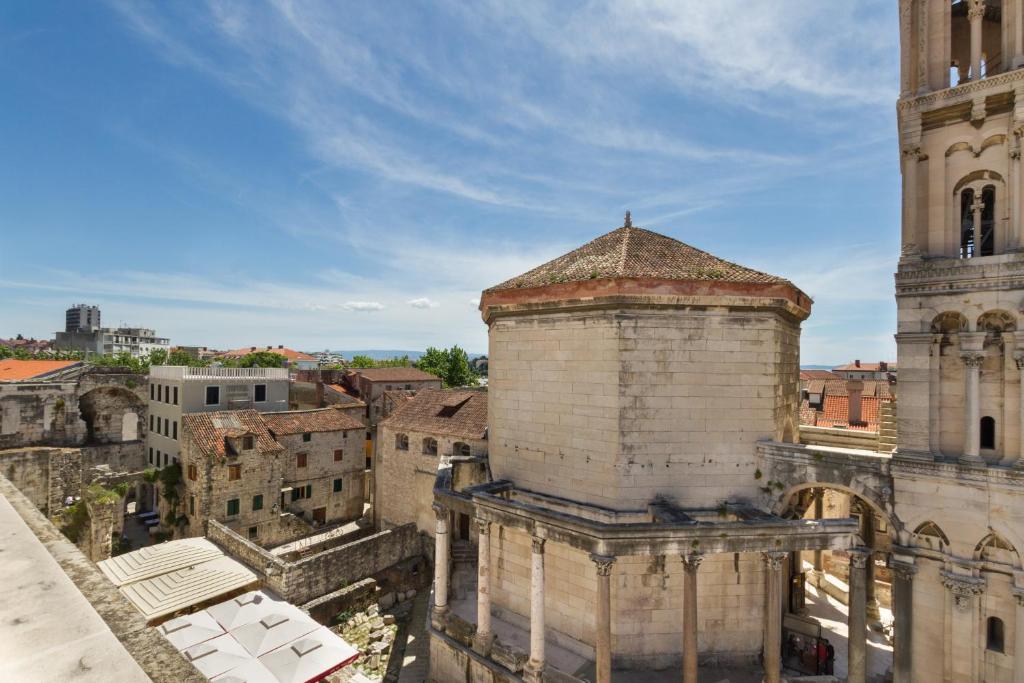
[[82, 318]]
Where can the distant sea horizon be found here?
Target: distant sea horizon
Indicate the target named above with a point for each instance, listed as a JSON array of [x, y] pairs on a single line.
[[387, 354]]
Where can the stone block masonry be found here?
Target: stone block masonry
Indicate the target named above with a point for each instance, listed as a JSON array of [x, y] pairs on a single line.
[[317, 575]]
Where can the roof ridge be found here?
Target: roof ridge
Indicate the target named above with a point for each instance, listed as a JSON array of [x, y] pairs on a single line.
[[621, 270]]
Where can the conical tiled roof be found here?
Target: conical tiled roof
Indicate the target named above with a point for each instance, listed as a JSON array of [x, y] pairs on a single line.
[[630, 252]]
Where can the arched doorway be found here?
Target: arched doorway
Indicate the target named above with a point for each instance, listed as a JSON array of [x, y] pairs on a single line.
[[111, 415], [820, 581]]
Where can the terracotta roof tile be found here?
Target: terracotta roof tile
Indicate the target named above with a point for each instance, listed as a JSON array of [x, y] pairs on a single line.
[[450, 412], [631, 252], [866, 367], [395, 374], [13, 370], [290, 354], [818, 374], [836, 413], [208, 430], [318, 420]]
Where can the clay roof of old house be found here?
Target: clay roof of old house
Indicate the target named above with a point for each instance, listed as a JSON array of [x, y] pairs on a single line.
[[12, 370], [631, 252], [866, 367], [208, 430], [448, 412], [836, 412], [808, 415], [818, 374], [878, 388], [395, 374], [317, 420], [290, 354], [341, 390]]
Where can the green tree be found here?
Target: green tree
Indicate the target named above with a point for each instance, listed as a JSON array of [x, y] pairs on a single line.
[[362, 362], [259, 359], [179, 357], [451, 365], [157, 357], [5, 352]]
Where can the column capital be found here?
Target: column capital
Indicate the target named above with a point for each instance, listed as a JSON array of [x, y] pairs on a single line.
[[773, 559], [963, 588], [1018, 358], [538, 544], [440, 511], [604, 563], [691, 561], [859, 557], [911, 151], [972, 359], [483, 525], [902, 570], [975, 9], [1018, 595]]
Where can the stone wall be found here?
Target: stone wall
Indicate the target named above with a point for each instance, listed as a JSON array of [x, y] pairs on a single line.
[[357, 596], [317, 575], [46, 476], [320, 472], [840, 438], [623, 405], [33, 414], [405, 478]]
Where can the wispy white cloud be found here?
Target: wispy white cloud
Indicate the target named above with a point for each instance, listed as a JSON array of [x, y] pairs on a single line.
[[364, 306], [422, 302]]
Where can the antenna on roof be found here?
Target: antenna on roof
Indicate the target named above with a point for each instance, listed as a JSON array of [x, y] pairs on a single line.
[[629, 221]]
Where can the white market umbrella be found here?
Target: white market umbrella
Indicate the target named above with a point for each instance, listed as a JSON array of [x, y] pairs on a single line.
[[189, 630], [245, 609], [274, 630], [310, 658], [216, 656], [250, 672]]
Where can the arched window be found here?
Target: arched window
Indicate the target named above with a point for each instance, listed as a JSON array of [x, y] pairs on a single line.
[[995, 633], [430, 446], [401, 442], [967, 223], [986, 244], [988, 432], [461, 449]]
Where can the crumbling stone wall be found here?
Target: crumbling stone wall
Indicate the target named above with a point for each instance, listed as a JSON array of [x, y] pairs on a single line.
[[36, 414], [46, 476], [314, 576], [97, 542]]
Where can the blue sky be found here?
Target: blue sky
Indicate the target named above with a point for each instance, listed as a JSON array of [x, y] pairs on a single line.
[[351, 175]]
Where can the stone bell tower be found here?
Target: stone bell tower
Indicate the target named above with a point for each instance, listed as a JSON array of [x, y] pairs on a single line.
[[960, 282]]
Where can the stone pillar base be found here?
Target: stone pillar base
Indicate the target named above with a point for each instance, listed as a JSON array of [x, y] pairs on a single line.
[[439, 618], [482, 643], [971, 461], [905, 454], [533, 672], [1019, 465], [871, 609]]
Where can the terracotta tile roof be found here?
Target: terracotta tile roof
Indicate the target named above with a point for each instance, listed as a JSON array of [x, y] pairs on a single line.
[[818, 374], [835, 412], [208, 430], [450, 412], [630, 252], [866, 367], [290, 354], [808, 416], [816, 386], [395, 374], [13, 370], [341, 390], [878, 388], [318, 420]]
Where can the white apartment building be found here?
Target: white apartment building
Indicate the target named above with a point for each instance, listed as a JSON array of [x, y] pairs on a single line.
[[175, 390]]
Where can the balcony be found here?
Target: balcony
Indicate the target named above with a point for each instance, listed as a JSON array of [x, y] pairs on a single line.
[[184, 373]]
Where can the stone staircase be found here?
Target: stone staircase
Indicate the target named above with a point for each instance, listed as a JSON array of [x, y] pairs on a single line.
[[887, 427], [463, 552]]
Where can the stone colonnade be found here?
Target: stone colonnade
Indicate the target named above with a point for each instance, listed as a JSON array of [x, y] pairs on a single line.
[[774, 561]]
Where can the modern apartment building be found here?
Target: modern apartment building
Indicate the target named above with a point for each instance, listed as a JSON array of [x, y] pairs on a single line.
[[175, 390]]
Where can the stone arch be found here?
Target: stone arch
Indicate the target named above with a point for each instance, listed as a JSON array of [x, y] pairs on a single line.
[[994, 547], [976, 175], [949, 322], [959, 147], [991, 141], [853, 488], [996, 321], [929, 535], [103, 410]]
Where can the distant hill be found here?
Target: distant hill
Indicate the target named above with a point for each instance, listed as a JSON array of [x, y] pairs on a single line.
[[813, 367], [385, 354]]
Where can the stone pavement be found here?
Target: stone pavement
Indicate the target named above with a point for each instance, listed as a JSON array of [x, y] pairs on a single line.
[[416, 656], [832, 615]]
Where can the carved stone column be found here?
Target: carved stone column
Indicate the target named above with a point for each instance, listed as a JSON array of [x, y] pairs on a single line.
[[1018, 358], [903, 613], [975, 13], [819, 513], [911, 155], [1018, 642], [772, 655], [441, 543], [972, 406], [962, 624], [906, 44], [1018, 34], [484, 638], [691, 563], [923, 86], [935, 397], [857, 645], [533, 673], [867, 532], [603, 631]]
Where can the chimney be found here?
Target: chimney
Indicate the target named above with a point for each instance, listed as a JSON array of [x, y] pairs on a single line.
[[854, 389], [252, 348], [856, 363], [883, 366]]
